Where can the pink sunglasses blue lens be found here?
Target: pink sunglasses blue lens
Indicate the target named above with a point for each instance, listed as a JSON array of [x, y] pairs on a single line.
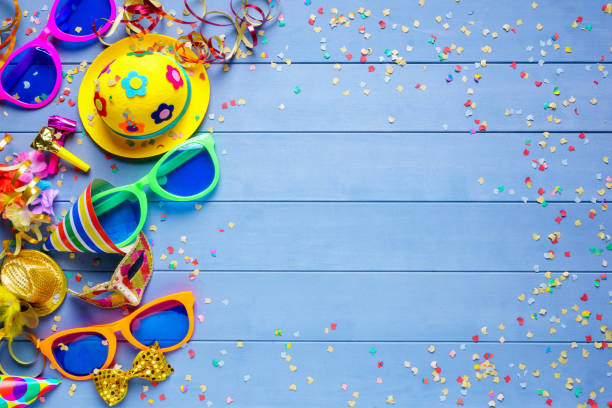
[[31, 74]]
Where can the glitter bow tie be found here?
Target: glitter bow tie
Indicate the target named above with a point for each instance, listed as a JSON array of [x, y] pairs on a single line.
[[150, 364]]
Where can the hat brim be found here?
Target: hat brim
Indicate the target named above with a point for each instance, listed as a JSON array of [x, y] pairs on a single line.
[[138, 149]]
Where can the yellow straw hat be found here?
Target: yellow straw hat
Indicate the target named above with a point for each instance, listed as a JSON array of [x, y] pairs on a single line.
[[35, 278], [137, 101]]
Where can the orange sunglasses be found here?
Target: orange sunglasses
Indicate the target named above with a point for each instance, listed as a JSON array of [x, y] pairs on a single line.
[[76, 353]]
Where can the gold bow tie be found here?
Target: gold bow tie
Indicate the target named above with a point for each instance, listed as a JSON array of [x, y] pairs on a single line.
[[150, 364]]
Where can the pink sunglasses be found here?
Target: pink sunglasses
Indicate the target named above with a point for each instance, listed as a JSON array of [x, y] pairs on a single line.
[[32, 75]]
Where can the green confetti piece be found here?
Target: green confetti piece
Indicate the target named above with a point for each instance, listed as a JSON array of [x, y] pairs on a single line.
[[500, 188], [589, 27], [544, 204], [388, 52], [609, 247], [372, 351], [281, 23], [215, 363], [264, 40], [326, 55], [297, 90]]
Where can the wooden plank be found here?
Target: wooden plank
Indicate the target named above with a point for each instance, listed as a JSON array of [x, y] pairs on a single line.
[[304, 44], [439, 108], [378, 166], [369, 236], [269, 376], [367, 307]]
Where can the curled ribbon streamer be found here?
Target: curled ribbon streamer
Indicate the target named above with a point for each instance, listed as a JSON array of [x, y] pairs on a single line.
[[195, 47], [28, 335], [9, 43]]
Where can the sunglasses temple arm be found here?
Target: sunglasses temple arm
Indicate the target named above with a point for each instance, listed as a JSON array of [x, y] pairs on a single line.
[[19, 69], [110, 203], [183, 157]]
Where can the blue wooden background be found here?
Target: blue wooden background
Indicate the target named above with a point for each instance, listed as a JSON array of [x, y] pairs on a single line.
[[409, 238]]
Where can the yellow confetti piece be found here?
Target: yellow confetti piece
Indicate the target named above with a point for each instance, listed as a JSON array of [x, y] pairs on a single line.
[[153, 228], [239, 344], [293, 387], [351, 403], [310, 380], [521, 297], [72, 389], [57, 318], [292, 368], [330, 349], [480, 180], [535, 237]]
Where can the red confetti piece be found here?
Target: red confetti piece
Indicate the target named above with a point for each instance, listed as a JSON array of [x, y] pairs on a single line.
[[588, 339], [520, 321], [349, 56], [382, 24], [598, 317], [162, 397], [459, 379], [363, 58], [488, 356], [563, 213], [475, 339], [507, 379], [233, 102], [571, 148], [567, 254], [523, 74], [202, 397], [371, 68], [143, 395], [334, 326], [558, 219], [438, 370], [513, 65], [584, 297], [191, 353], [224, 105], [581, 136], [320, 10], [525, 152], [549, 402], [170, 250], [425, 380], [538, 83]]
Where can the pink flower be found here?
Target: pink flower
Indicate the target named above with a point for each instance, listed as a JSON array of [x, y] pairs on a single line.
[[44, 202], [174, 76], [37, 168]]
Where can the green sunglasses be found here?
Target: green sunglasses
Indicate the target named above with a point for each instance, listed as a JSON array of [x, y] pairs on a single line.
[[188, 172]]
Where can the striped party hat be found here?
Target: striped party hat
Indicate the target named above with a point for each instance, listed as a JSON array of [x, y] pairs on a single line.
[[80, 230], [19, 392]]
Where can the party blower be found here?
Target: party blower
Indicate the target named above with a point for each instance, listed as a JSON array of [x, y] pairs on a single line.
[[45, 141], [32, 74]]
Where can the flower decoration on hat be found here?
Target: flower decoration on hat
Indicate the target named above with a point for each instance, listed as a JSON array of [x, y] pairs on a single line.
[[100, 104], [132, 126], [163, 113], [134, 84], [174, 76]]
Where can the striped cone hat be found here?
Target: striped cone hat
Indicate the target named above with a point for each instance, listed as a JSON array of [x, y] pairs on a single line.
[[19, 392], [80, 230]]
